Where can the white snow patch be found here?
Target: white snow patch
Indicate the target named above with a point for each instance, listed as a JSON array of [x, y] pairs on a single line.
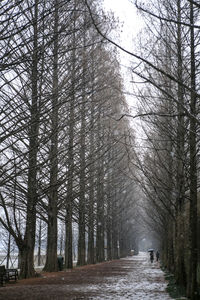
[[144, 282]]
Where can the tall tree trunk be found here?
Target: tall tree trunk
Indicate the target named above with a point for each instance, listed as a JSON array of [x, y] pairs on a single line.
[[115, 226], [109, 214], [8, 251], [69, 200], [39, 243], [181, 128], [27, 247], [91, 252], [100, 194], [109, 231], [100, 217], [81, 222], [51, 261], [180, 182], [192, 279]]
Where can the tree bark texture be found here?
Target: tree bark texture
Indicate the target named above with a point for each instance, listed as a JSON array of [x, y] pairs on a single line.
[[192, 282], [51, 256], [27, 250]]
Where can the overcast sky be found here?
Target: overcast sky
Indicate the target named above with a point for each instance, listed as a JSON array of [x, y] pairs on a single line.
[[127, 14]]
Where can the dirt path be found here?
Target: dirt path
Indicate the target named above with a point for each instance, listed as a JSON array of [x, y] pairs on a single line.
[[130, 278]]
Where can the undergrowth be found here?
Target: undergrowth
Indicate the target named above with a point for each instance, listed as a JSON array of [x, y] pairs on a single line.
[[174, 290]]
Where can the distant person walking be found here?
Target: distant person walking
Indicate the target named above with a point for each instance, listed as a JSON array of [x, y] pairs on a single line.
[[157, 256], [60, 262], [151, 256]]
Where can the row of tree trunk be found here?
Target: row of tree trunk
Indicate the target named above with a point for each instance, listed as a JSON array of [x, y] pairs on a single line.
[[62, 149], [171, 163]]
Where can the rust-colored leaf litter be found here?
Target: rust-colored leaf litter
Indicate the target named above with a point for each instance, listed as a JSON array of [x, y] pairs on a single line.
[[128, 278]]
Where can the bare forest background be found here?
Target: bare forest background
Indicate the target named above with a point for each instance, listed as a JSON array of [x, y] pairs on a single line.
[[76, 178]]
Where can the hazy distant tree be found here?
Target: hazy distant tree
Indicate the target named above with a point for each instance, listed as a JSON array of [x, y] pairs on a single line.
[[180, 82]]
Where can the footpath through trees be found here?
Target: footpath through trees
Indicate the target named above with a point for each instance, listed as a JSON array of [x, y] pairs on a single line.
[[128, 278]]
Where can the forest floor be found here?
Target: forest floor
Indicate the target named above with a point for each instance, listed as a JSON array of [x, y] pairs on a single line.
[[128, 278]]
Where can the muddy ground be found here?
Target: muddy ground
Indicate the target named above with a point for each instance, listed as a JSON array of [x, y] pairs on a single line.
[[129, 278]]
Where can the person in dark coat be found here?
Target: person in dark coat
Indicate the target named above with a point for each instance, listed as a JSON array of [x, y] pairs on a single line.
[[157, 256], [151, 256], [60, 262]]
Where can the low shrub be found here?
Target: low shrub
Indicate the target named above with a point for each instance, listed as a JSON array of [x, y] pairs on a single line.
[[174, 290]]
